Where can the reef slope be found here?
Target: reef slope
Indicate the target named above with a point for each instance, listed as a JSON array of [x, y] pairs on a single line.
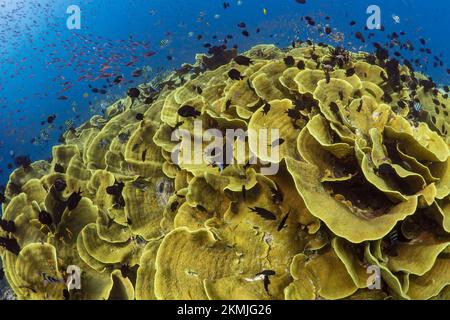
[[362, 186]]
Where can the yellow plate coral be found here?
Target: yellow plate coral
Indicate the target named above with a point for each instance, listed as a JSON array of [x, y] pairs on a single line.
[[303, 180]]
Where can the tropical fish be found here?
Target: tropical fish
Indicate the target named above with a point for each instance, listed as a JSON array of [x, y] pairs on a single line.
[[188, 111], [264, 213]]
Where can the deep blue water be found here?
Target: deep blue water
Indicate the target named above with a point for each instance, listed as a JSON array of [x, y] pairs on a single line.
[[41, 60]]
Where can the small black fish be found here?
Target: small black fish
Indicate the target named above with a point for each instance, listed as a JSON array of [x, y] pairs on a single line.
[[188, 111], [266, 274], [59, 185], [134, 93], [350, 72], [334, 107], [360, 106], [45, 218], [310, 21], [10, 244], [266, 108], [115, 189], [51, 118], [73, 200], [387, 98], [266, 214], [243, 60], [359, 36], [283, 221], [201, 208], [277, 195], [385, 170], [289, 61], [139, 116], [66, 294], [59, 168], [301, 65], [174, 206], [118, 79], [293, 114], [242, 25], [235, 74], [245, 33], [8, 225], [22, 161]]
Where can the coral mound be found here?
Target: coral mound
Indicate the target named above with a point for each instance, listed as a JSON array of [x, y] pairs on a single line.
[[362, 187]]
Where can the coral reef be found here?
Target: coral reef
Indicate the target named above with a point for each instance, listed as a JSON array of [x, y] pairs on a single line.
[[363, 183]]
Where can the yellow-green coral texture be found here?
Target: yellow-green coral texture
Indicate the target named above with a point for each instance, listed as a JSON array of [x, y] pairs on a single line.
[[363, 184]]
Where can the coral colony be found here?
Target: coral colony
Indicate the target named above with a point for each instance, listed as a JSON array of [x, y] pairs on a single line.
[[362, 183]]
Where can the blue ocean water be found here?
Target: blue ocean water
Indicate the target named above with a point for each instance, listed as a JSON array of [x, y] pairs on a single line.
[[52, 78]]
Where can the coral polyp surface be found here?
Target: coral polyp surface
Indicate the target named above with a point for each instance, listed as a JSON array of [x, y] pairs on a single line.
[[356, 204]]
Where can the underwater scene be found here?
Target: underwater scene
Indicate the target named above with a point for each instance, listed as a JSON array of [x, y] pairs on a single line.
[[224, 150]]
